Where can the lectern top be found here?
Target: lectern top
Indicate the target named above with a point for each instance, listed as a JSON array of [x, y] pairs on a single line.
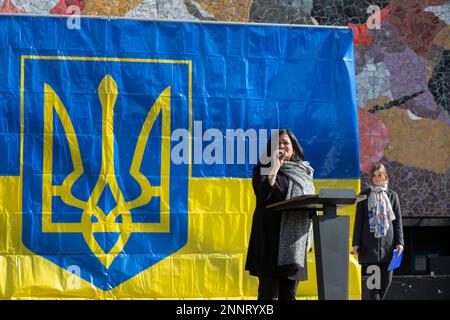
[[335, 197]]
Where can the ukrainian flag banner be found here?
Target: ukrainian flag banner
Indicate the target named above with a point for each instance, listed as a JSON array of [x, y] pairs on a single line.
[[121, 166]]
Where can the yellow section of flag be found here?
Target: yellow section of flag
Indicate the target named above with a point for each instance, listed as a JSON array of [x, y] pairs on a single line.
[[209, 266]]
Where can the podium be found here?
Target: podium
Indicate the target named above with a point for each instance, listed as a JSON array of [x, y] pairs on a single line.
[[331, 236]]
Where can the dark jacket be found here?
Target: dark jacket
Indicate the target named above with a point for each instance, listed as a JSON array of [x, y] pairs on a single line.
[[375, 250], [262, 254]]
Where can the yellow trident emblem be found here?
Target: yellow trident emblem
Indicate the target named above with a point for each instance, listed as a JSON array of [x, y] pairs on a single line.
[[106, 222]]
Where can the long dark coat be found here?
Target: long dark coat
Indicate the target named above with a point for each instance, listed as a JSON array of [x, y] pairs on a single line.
[[377, 250], [262, 254]]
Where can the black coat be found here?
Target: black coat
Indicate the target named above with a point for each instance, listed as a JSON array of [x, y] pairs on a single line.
[[262, 254], [377, 250]]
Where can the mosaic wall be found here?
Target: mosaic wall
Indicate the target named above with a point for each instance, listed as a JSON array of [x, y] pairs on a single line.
[[403, 77]]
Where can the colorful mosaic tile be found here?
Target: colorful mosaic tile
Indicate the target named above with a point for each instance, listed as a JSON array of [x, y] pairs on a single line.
[[8, 7], [419, 143], [68, 7], [373, 82], [152, 9], [373, 139], [273, 11], [439, 84], [416, 27], [233, 10]]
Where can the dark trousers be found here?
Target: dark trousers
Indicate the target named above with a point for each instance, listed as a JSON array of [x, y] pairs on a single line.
[[276, 288], [385, 280]]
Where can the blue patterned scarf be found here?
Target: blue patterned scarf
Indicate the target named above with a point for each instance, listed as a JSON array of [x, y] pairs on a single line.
[[380, 210]]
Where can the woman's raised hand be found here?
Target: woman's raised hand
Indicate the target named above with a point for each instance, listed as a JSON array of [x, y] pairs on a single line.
[[278, 158], [276, 163]]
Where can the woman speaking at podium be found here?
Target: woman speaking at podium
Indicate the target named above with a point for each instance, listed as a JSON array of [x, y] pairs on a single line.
[[279, 241]]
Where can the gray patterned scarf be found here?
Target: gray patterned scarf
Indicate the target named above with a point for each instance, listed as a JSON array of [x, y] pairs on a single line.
[[296, 227]]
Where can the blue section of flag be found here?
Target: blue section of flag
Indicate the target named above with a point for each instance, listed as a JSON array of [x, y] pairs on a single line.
[[244, 76]]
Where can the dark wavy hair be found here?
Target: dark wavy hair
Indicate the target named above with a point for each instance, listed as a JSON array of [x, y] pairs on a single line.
[[298, 154]]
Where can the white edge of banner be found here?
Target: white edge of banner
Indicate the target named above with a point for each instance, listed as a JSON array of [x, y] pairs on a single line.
[[169, 20]]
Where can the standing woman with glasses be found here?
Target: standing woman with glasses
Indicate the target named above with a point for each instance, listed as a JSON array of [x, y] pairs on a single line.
[[280, 241], [378, 229]]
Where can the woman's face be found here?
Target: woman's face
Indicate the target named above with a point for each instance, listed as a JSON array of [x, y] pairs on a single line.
[[285, 145], [378, 178]]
